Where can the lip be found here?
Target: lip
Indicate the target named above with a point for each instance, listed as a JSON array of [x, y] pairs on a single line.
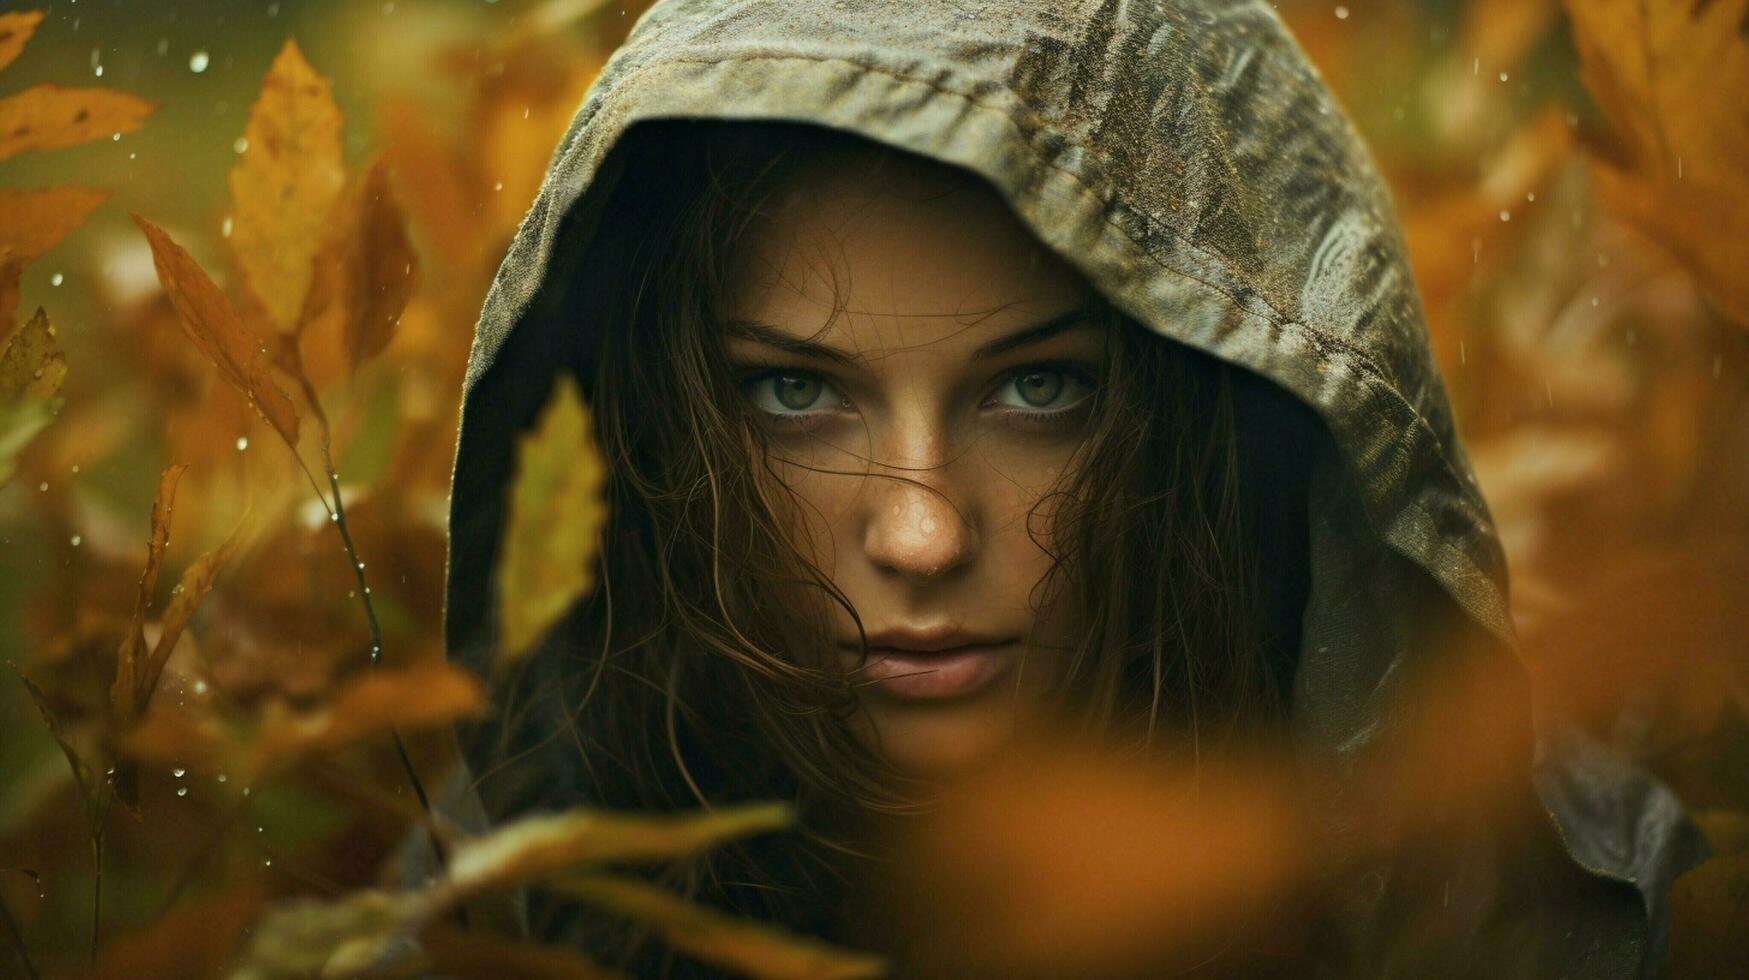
[[925, 665]]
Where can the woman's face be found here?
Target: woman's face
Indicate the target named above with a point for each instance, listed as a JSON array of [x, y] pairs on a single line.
[[925, 370]]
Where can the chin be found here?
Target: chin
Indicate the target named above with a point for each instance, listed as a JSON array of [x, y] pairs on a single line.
[[934, 741]]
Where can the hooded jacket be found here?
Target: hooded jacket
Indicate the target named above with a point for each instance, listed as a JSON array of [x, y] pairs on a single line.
[[1184, 156]]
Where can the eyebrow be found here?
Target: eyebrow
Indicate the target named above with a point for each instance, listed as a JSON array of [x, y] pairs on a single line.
[[761, 332]]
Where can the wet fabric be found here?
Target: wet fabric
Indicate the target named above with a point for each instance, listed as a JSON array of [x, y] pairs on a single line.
[[1185, 157]]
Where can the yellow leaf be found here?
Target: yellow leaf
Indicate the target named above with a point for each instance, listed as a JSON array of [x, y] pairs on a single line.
[[314, 938], [555, 518], [48, 117], [1668, 77], [746, 947], [15, 32], [34, 221], [133, 646], [540, 847], [285, 184], [32, 366], [209, 320]]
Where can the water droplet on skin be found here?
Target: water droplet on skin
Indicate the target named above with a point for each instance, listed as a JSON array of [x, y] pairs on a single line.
[[57, 279], [242, 443], [198, 61]]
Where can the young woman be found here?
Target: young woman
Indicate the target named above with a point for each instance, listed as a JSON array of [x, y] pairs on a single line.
[[982, 364]]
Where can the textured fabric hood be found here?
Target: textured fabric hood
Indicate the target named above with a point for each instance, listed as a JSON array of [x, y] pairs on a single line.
[[1184, 156]]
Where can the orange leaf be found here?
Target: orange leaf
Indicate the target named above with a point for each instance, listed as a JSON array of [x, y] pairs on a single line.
[[285, 184], [210, 321], [434, 182], [1663, 75], [15, 32], [48, 117], [364, 276], [133, 646], [34, 221], [197, 580]]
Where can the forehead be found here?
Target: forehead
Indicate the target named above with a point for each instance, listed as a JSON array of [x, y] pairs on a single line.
[[889, 250]]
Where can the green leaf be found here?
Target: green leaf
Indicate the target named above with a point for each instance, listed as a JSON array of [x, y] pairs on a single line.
[[20, 421]]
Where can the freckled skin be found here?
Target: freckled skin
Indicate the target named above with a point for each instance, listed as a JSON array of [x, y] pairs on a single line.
[[927, 266]]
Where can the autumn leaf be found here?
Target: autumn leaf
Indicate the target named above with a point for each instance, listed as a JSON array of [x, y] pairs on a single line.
[[49, 117], [313, 938], [1668, 78], [555, 518], [15, 32], [197, 580], [285, 185], [364, 274], [278, 736], [545, 845], [751, 948], [128, 660], [210, 321], [34, 221], [32, 366]]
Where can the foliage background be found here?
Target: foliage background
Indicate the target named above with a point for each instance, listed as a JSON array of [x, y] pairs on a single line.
[[1571, 178]]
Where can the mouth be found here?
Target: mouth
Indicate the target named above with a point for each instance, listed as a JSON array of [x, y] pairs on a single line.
[[927, 675]]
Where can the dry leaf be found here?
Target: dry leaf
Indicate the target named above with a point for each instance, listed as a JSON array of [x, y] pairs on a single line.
[[1669, 79], [278, 736], [34, 221], [285, 185], [364, 275], [751, 948], [545, 845], [15, 32], [210, 321], [122, 695], [48, 117], [196, 582], [555, 519], [311, 938], [32, 366]]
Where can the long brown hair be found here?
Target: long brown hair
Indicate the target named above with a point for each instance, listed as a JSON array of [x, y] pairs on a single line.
[[684, 682]]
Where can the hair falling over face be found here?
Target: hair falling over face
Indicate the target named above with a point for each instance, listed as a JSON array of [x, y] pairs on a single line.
[[694, 669]]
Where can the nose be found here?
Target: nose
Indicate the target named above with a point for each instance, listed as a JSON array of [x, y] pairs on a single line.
[[917, 531]]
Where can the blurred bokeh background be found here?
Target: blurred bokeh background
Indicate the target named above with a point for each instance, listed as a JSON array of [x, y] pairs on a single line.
[[1571, 178]]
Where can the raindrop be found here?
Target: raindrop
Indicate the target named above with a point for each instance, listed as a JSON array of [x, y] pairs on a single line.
[[334, 516], [57, 279], [1593, 301], [1341, 12], [75, 467], [43, 486], [273, 10], [1463, 355], [261, 830], [1679, 168], [1531, 197], [98, 70], [198, 61], [242, 443], [179, 772], [351, 593], [240, 144], [498, 186], [247, 790], [1503, 76], [77, 540], [1476, 67], [182, 791], [225, 227], [221, 777], [115, 137], [163, 46], [200, 687], [267, 862], [367, 590], [361, 566], [1505, 215]]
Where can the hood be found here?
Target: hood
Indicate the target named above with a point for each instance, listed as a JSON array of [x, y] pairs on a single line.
[[1185, 157]]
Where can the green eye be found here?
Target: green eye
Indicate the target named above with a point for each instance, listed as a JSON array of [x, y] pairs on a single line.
[[796, 393], [792, 394], [1045, 388]]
